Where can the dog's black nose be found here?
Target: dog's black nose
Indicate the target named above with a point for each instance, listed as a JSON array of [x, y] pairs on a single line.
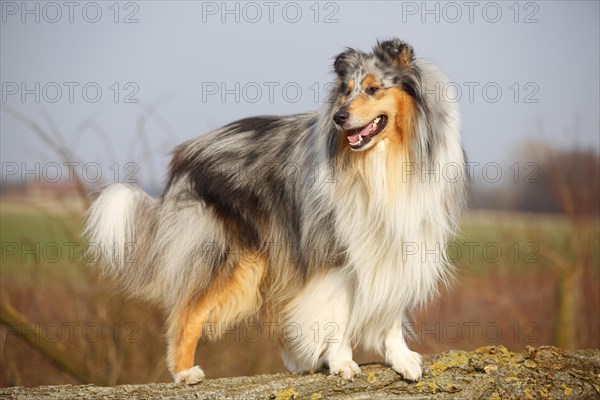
[[341, 117]]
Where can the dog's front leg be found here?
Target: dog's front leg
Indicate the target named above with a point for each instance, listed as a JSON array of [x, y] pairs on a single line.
[[397, 354], [339, 359]]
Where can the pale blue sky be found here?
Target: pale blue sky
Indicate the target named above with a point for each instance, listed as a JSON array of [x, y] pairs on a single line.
[[546, 52]]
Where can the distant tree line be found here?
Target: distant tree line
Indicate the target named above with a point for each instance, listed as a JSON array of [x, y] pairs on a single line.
[[563, 181]]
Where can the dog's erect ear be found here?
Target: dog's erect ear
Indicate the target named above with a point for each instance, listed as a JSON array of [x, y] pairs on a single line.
[[342, 62], [395, 51]]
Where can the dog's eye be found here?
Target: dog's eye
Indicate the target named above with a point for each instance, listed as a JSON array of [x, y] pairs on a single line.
[[371, 90]]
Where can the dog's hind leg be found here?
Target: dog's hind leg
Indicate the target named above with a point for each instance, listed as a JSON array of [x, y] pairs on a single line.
[[230, 297], [184, 330]]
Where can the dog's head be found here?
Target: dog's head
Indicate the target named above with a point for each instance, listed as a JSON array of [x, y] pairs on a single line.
[[375, 94]]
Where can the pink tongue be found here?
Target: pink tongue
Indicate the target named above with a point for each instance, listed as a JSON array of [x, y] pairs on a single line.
[[354, 138]]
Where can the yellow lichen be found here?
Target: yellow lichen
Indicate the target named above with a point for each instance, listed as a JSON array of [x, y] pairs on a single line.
[[316, 396], [529, 393], [458, 360], [433, 386], [371, 378], [511, 379], [287, 394], [452, 360], [438, 368], [568, 391]]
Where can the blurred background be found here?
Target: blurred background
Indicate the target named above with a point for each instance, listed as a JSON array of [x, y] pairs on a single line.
[[100, 92]]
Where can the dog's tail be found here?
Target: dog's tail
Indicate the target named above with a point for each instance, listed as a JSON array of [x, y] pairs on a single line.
[[120, 234]]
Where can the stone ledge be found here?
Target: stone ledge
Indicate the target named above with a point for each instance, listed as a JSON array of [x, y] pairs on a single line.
[[485, 373]]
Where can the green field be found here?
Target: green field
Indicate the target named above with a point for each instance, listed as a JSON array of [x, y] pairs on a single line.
[[526, 241], [40, 241], [33, 236]]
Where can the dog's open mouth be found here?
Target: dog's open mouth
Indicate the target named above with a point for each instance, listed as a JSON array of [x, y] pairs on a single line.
[[360, 137]]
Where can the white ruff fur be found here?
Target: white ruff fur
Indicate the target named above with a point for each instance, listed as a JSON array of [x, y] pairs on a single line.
[[391, 215]]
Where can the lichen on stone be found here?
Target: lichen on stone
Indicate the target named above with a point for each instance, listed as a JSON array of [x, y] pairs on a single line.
[[371, 378], [287, 394]]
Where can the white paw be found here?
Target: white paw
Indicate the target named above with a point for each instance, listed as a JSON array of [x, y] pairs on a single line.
[[407, 364], [190, 376], [345, 369]]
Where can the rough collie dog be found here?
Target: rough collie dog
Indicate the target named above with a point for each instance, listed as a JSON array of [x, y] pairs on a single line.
[[305, 220]]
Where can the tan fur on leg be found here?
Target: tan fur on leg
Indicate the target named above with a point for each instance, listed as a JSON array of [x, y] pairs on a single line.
[[227, 300]]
